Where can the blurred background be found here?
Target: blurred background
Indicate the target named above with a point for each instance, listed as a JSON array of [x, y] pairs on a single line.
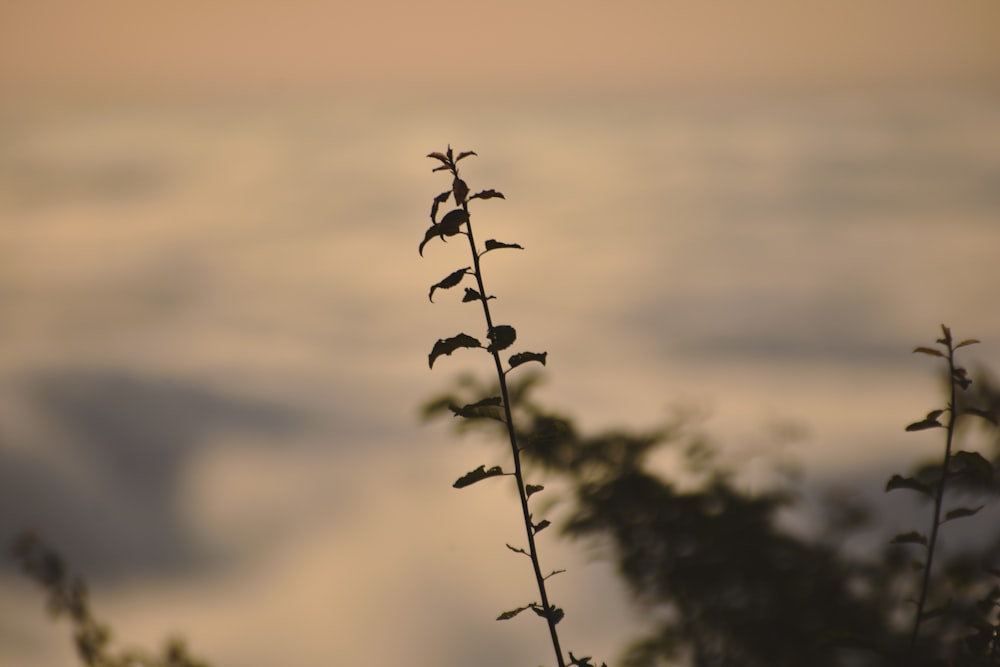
[[214, 321]]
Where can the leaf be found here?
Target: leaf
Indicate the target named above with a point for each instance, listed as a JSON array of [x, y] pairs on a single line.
[[960, 512], [507, 615], [477, 475], [440, 199], [493, 244], [524, 357], [501, 336], [975, 464], [923, 425], [540, 526], [465, 154], [428, 235], [460, 189], [452, 279], [532, 489], [900, 482], [946, 336], [449, 345], [439, 156], [911, 537], [554, 614], [471, 295], [519, 551], [452, 221], [928, 350], [967, 341], [477, 410], [487, 194], [985, 414]]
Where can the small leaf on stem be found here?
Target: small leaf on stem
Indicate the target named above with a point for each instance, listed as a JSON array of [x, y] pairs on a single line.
[[524, 357], [450, 280], [518, 551], [900, 482], [493, 244], [460, 189], [464, 154], [960, 512], [452, 221], [440, 199], [928, 350], [532, 489], [507, 615], [985, 414], [477, 475], [501, 336], [471, 295], [967, 341], [975, 464], [449, 345], [487, 194], [540, 526]]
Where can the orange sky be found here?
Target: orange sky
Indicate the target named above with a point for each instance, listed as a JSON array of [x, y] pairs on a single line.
[[378, 44]]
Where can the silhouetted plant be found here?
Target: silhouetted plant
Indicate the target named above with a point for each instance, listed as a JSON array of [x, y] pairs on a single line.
[[707, 562], [933, 484], [500, 337], [68, 596]]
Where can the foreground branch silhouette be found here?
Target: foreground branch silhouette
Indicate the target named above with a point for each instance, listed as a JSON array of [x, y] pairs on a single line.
[[457, 222]]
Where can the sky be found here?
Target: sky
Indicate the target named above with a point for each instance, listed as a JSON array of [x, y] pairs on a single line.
[[215, 323], [454, 48]]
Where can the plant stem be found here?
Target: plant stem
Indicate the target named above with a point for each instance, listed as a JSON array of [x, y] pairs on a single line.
[[515, 453], [938, 497]]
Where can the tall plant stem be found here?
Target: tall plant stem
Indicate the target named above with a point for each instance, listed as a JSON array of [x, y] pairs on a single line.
[[938, 498], [515, 450]]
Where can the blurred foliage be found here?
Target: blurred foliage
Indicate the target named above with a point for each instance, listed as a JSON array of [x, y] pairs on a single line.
[[67, 596], [710, 561]]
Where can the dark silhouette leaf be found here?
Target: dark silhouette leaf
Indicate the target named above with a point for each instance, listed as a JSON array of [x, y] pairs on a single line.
[[428, 235], [507, 615], [464, 154], [985, 414], [532, 489], [471, 295], [439, 156], [477, 475], [487, 194], [975, 464], [450, 280], [449, 345], [541, 525], [524, 357], [928, 350], [960, 512], [493, 244], [899, 482], [923, 425], [967, 341], [911, 537], [460, 189], [479, 409], [555, 614], [452, 221], [946, 337], [501, 337], [440, 199], [518, 551]]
